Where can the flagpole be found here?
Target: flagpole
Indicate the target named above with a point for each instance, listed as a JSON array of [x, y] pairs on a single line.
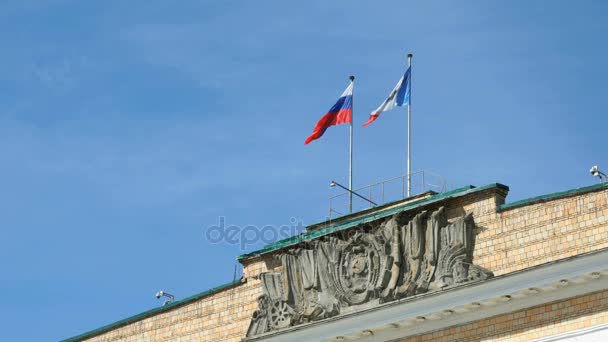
[[409, 130], [350, 162]]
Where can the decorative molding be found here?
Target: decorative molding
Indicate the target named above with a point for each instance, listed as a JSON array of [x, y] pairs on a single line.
[[366, 266]]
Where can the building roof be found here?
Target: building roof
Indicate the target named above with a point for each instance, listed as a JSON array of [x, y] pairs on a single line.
[[375, 213], [348, 221], [153, 312], [370, 215]]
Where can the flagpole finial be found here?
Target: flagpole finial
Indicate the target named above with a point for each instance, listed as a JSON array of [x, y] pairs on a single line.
[[351, 78], [409, 55]]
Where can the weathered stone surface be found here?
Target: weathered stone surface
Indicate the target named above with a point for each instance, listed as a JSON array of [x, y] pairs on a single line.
[[370, 264]]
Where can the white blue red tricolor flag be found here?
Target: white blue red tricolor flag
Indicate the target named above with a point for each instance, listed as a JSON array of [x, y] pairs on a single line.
[[398, 97], [340, 113]]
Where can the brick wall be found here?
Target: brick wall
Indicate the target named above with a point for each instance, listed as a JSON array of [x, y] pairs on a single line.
[[526, 325], [223, 316], [535, 234]]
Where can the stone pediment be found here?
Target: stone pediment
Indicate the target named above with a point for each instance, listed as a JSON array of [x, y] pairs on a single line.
[[373, 263]]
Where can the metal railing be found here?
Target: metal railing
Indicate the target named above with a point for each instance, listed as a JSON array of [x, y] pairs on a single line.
[[387, 191]]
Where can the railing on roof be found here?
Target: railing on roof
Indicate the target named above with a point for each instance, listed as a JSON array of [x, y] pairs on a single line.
[[387, 191]]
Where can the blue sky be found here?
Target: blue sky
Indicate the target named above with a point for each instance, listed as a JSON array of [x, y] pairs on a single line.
[[127, 128]]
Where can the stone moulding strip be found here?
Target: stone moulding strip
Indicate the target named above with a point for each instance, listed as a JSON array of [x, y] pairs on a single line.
[[466, 190], [154, 311]]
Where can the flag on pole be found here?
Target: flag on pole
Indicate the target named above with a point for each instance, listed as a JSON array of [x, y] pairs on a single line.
[[340, 113], [399, 96]]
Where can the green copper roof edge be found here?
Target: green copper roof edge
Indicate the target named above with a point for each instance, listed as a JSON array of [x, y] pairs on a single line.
[[152, 312], [368, 218], [552, 196], [339, 220]]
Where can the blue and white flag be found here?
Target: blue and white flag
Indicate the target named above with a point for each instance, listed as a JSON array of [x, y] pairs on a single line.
[[399, 96]]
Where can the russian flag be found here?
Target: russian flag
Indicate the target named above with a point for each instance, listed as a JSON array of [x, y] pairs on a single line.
[[340, 113], [399, 96]]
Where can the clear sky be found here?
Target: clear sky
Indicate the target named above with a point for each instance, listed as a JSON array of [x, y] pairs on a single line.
[[127, 128]]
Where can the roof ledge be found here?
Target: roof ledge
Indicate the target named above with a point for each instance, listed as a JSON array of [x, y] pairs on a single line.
[[553, 196]]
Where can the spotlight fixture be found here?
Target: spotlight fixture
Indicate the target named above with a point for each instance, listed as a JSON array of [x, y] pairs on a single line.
[[170, 297], [595, 172]]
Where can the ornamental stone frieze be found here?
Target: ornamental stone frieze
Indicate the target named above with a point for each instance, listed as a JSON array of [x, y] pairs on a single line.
[[371, 264]]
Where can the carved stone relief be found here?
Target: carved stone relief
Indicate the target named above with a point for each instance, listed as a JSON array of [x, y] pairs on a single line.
[[398, 258]]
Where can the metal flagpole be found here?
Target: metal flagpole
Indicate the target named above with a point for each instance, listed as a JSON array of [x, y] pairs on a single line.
[[350, 163], [409, 130]]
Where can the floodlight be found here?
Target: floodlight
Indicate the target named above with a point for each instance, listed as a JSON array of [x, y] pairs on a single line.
[[170, 297], [595, 172]]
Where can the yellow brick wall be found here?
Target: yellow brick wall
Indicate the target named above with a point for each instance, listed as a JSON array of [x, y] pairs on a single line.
[[253, 267], [535, 234], [525, 325], [223, 316]]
